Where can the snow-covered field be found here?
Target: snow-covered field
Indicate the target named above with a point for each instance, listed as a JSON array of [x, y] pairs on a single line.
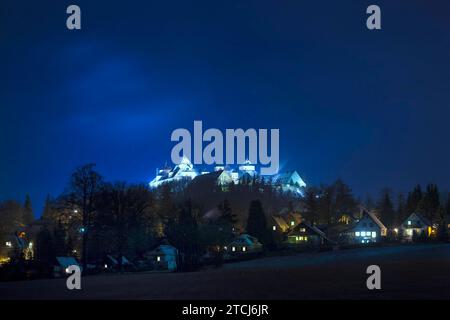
[[408, 272]]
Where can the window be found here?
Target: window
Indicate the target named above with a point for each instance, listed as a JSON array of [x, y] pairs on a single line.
[[158, 258], [305, 238], [292, 223], [233, 249], [302, 230], [244, 249], [8, 244], [301, 238], [409, 232], [357, 233], [274, 228], [409, 222], [374, 234], [363, 233]]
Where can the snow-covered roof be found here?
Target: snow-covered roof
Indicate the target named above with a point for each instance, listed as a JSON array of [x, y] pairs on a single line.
[[290, 178], [424, 220], [125, 261], [66, 261], [375, 219], [164, 249]]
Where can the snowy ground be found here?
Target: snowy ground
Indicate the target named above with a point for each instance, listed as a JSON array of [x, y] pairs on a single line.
[[408, 272]]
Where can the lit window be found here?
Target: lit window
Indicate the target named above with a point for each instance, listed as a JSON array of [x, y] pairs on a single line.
[[363, 241], [225, 248], [274, 228], [301, 238], [357, 233], [305, 238], [409, 222], [106, 266], [302, 230], [233, 249], [374, 234], [363, 233], [244, 249], [292, 222], [8, 244], [158, 258]]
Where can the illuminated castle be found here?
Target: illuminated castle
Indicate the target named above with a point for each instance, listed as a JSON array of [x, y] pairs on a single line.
[[289, 181]]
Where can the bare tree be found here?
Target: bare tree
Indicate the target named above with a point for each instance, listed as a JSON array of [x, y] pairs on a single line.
[[83, 188]]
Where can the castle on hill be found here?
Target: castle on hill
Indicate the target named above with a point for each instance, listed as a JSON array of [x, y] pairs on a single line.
[[289, 181]]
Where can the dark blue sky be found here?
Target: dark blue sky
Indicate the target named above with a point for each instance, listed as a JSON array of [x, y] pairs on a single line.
[[369, 107]]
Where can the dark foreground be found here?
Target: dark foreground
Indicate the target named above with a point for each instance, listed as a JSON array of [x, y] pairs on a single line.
[[408, 272]]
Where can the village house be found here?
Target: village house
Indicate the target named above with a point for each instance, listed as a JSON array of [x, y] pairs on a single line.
[[368, 229], [164, 257], [278, 224], [293, 219], [307, 234], [242, 245], [416, 225]]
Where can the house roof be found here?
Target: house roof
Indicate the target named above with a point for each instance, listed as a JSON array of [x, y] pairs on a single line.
[[210, 177], [311, 228], [280, 222], [424, 220], [290, 177], [65, 262], [372, 215], [164, 250], [245, 239], [297, 217]]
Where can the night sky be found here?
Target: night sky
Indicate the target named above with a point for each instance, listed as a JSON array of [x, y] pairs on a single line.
[[371, 107]]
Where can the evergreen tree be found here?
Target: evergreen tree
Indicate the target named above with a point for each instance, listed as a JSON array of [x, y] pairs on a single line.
[[228, 216], [45, 250], [430, 203], [447, 206], [28, 216], [344, 202], [49, 212], [413, 200], [311, 205], [442, 230], [401, 213], [257, 223], [369, 203], [184, 235], [386, 209]]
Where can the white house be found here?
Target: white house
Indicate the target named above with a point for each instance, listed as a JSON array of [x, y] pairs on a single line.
[[164, 257], [242, 245], [416, 224], [368, 229]]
